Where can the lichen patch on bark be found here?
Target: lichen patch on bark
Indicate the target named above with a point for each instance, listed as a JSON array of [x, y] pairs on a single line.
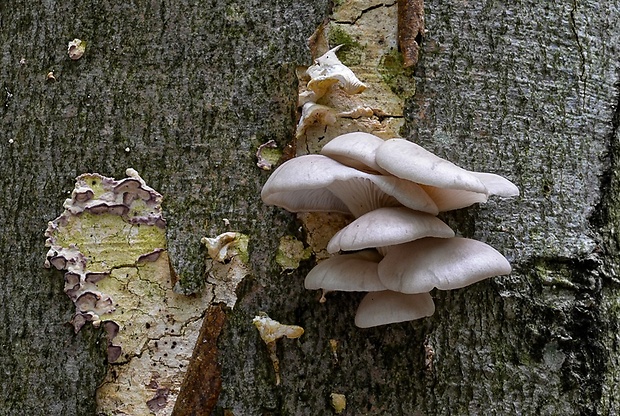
[[111, 242]]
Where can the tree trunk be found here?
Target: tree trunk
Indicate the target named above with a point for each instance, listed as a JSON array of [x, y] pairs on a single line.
[[185, 92]]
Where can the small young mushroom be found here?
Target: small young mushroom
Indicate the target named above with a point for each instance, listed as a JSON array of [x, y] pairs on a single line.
[[387, 307], [270, 331], [442, 263]]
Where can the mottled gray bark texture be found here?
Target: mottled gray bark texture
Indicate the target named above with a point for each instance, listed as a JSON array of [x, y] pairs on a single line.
[[191, 88]]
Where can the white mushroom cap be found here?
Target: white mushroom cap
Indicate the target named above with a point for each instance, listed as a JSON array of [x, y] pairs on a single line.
[[449, 263], [291, 184], [387, 307], [449, 199], [410, 161], [355, 272], [497, 185], [300, 185], [388, 226], [356, 150], [359, 150]]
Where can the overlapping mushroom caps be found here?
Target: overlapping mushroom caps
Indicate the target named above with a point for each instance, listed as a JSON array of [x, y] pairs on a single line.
[[396, 249]]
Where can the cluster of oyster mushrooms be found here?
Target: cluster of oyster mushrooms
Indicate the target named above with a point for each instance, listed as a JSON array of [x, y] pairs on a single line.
[[396, 248]]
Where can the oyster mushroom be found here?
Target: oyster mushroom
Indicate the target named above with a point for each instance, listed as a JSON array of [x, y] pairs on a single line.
[[387, 307], [356, 150], [497, 185], [386, 227], [448, 263], [355, 272], [410, 161], [448, 185], [449, 199], [318, 183], [393, 188]]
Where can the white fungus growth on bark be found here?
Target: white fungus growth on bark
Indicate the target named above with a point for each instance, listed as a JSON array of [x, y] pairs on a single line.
[[326, 74], [394, 189], [76, 49], [270, 331]]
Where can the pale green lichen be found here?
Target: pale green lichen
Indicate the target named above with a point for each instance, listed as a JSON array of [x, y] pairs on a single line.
[[339, 402], [107, 224], [351, 52], [268, 155], [291, 252], [111, 242], [399, 79]]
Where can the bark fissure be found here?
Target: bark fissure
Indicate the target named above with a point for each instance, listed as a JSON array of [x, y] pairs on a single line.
[[362, 12], [580, 49]]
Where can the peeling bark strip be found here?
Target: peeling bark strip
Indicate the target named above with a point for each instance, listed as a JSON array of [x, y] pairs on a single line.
[[203, 382], [410, 29], [110, 239]]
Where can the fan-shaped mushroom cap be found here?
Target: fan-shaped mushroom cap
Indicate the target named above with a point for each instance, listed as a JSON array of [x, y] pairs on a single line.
[[497, 185], [356, 150], [355, 272], [300, 185], [449, 199], [317, 183], [409, 161], [388, 226], [448, 263], [387, 307]]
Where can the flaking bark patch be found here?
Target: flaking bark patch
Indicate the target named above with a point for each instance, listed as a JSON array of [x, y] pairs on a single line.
[[111, 242]]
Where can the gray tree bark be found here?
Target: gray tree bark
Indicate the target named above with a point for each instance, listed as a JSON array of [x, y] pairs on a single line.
[[184, 92]]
